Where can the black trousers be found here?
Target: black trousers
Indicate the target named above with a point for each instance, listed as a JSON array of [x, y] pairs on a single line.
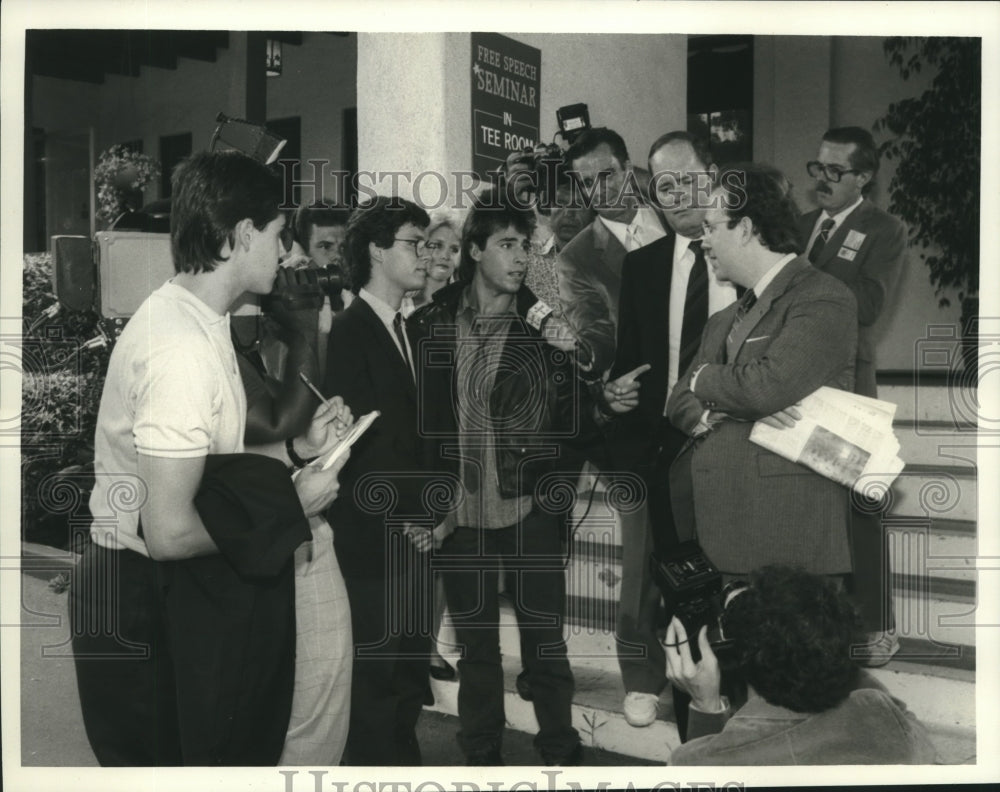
[[391, 625], [123, 670], [870, 583], [471, 560]]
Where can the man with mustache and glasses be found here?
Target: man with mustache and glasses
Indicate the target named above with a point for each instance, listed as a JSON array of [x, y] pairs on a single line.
[[855, 241]]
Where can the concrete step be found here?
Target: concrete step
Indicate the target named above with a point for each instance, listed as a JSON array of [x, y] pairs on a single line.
[[938, 492], [934, 582], [938, 403], [937, 548], [919, 448], [945, 702]]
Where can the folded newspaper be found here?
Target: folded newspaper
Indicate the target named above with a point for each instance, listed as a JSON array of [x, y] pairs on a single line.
[[843, 436]]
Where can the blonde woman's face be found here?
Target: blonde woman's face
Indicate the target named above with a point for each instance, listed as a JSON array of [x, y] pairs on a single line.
[[444, 248]]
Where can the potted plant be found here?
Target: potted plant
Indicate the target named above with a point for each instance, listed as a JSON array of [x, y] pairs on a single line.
[[936, 144], [120, 176]]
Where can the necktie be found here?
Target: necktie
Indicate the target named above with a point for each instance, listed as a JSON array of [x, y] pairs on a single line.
[[695, 309], [633, 237], [820, 242], [397, 328], [741, 311]]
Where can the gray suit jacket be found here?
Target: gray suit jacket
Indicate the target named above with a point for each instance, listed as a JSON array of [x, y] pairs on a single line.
[[750, 506], [590, 280], [869, 265]]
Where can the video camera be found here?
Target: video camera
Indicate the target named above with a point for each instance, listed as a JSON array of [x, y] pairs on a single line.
[[691, 587], [531, 172], [303, 287]]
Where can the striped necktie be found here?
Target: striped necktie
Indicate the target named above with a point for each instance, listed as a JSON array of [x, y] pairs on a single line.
[[820, 242], [745, 304]]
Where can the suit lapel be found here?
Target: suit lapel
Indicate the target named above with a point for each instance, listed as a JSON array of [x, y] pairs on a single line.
[[853, 222], [612, 251], [387, 348], [660, 264], [775, 289]]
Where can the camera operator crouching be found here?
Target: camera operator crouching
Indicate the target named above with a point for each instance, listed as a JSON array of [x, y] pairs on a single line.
[[789, 635]]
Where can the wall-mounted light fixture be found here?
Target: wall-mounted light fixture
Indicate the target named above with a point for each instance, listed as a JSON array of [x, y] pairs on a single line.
[[273, 58]]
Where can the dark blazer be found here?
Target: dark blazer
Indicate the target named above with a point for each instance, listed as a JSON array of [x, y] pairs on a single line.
[[536, 398], [383, 478], [231, 617], [643, 329], [870, 269], [752, 507]]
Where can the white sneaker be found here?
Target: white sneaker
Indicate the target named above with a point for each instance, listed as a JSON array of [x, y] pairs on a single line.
[[879, 650], [640, 708]]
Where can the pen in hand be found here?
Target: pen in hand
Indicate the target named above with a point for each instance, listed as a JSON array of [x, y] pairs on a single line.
[[318, 395]]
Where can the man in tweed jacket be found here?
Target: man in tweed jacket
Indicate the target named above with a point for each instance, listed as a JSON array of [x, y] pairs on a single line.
[[794, 331]]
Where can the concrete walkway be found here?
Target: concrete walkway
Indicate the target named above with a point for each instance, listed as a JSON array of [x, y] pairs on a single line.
[[52, 732]]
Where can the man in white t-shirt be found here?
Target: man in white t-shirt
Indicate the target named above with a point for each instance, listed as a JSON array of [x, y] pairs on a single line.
[[172, 396]]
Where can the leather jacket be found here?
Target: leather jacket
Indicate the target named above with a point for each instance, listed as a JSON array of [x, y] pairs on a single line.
[[538, 405]]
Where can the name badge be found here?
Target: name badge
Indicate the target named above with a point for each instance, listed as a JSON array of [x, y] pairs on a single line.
[[854, 240], [846, 253], [537, 314]]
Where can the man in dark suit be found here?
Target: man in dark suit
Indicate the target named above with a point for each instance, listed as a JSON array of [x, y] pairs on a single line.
[[369, 362], [794, 331], [855, 241], [667, 296], [590, 266]]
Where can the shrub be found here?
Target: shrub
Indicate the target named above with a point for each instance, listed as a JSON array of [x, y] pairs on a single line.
[[61, 392]]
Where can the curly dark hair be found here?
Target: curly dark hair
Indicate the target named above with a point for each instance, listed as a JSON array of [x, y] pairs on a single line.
[[376, 220], [212, 192], [754, 191], [794, 631], [490, 213]]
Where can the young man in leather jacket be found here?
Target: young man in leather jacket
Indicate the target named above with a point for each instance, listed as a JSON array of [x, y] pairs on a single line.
[[502, 404]]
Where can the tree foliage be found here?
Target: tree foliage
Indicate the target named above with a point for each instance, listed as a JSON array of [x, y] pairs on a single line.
[[936, 145]]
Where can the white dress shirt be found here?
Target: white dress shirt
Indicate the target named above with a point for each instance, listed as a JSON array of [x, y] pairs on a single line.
[[644, 229], [387, 315], [719, 296]]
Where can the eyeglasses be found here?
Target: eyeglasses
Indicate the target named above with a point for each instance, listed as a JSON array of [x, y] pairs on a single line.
[[706, 228], [832, 173], [419, 245]]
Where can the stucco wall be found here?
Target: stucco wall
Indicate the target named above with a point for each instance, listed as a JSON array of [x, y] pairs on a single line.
[[423, 122]]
